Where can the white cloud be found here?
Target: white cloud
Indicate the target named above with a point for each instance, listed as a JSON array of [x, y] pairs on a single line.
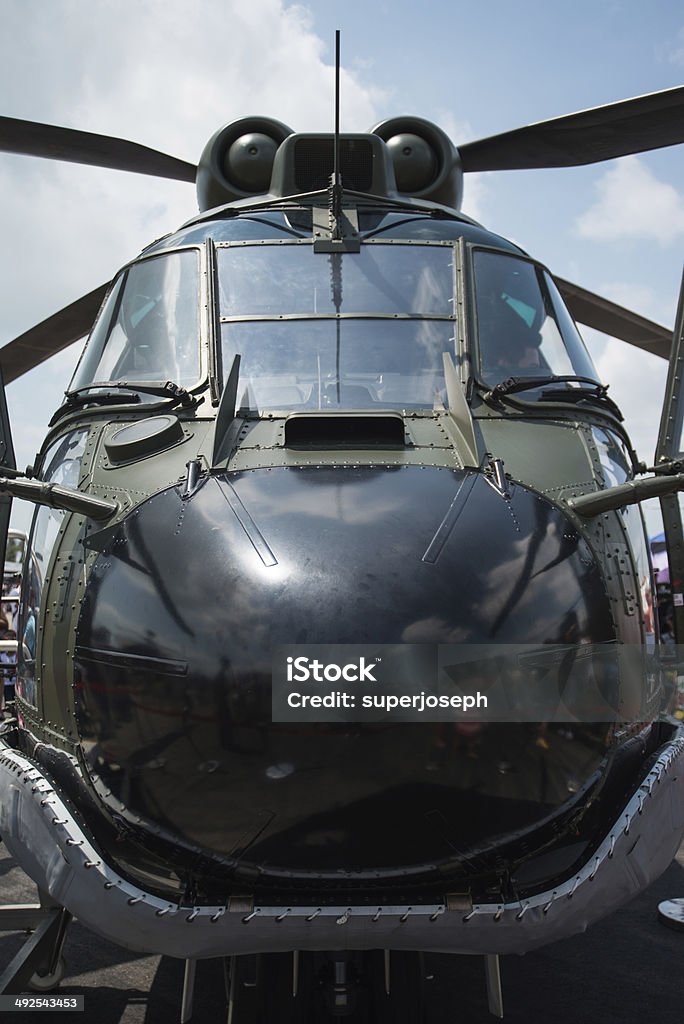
[[476, 196], [163, 73], [459, 131], [633, 204], [167, 74], [639, 297], [157, 73], [673, 52]]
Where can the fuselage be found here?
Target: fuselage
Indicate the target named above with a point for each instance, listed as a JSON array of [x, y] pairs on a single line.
[[350, 479]]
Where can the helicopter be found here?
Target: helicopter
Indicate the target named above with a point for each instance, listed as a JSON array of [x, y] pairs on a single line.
[[331, 416]]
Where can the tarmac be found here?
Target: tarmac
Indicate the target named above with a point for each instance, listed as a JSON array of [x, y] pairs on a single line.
[[627, 969]]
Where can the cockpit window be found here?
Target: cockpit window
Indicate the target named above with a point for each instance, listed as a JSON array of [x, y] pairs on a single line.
[[523, 326], [149, 326], [346, 330]]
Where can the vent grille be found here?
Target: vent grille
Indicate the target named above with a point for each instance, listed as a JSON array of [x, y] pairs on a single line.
[[352, 430], [314, 164]]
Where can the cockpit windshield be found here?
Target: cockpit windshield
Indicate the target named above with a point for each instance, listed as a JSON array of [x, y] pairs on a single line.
[[149, 326], [347, 330], [523, 326]]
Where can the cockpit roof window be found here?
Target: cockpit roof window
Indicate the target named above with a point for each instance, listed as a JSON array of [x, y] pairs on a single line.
[[149, 326], [272, 224], [376, 223]]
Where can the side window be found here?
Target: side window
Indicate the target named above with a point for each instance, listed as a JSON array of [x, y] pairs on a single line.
[[523, 326], [510, 311], [614, 459], [62, 465], [634, 525], [149, 327]]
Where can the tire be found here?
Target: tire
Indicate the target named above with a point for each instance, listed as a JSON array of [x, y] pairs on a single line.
[[48, 982]]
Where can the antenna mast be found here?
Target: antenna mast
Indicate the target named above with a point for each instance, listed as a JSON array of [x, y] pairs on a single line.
[[336, 183], [343, 235]]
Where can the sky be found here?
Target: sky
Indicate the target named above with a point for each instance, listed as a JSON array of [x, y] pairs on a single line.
[[168, 73]]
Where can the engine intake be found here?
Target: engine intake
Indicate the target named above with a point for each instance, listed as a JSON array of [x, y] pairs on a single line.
[[255, 156], [238, 160], [426, 162]]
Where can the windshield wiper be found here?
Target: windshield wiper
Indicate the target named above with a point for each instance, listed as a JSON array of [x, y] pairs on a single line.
[[513, 385], [82, 396], [163, 388], [598, 392], [576, 395]]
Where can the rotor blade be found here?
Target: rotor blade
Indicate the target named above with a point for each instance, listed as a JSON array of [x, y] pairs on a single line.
[[52, 335], [606, 316], [54, 143], [601, 133]]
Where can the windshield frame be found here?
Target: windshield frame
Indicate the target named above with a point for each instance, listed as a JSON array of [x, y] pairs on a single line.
[[205, 321], [472, 327], [456, 317]]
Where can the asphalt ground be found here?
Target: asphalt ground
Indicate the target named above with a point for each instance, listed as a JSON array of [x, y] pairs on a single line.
[[627, 969]]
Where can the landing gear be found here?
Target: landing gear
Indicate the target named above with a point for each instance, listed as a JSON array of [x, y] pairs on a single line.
[[671, 913], [48, 981], [39, 965], [399, 988], [373, 987]]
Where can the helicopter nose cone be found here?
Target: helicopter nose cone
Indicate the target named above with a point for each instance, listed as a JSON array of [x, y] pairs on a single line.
[[187, 599]]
